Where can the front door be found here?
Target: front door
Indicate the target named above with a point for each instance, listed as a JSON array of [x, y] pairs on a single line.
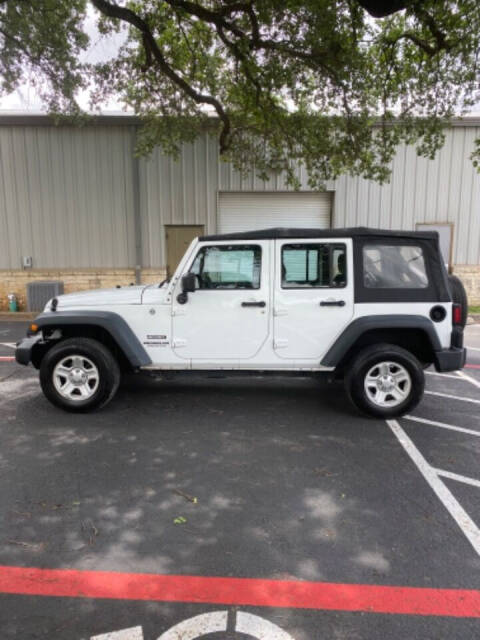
[[178, 239], [313, 297], [227, 318]]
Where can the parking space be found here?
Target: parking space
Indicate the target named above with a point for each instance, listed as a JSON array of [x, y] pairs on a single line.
[[289, 513]]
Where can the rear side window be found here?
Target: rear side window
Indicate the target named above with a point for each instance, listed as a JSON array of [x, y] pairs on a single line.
[[228, 267], [394, 267], [313, 266]]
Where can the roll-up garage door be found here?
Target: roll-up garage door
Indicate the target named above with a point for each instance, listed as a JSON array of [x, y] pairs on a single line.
[[250, 211]]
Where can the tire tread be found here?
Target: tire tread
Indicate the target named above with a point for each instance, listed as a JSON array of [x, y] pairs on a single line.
[[354, 380], [105, 361]]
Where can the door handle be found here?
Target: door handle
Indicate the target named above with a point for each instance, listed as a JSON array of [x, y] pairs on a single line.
[[332, 303], [254, 304]]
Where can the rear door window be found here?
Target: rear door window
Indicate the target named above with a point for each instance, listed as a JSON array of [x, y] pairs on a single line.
[[394, 267], [313, 266]]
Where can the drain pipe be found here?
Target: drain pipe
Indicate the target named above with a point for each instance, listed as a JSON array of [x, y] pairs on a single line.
[[136, 209]]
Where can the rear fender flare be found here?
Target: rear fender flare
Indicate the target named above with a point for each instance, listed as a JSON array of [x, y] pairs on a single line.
[[347, 339]]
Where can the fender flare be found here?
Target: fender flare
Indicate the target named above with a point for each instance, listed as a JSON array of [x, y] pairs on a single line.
[[111, 322], [358, 327]]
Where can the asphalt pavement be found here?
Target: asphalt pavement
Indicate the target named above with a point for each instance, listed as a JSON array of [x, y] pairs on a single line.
[[351, 528]]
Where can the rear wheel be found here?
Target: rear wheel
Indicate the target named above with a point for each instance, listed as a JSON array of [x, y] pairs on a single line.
[[79, 375], [385, 381]]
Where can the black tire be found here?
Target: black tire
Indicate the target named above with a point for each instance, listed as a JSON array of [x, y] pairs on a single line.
[[459, 296], [363, 363], [107, 368]]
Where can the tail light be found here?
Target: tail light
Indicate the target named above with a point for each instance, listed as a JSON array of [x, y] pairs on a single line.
[[457, 314]]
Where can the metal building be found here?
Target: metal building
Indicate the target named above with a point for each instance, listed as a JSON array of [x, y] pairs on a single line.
[[86, 211]]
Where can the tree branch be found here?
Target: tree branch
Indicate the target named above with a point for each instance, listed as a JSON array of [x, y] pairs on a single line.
[[151, 47], [429, 21]]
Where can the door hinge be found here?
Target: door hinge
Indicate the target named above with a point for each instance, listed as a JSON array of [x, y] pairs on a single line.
[[280, 344], [179, 342], [280, 312]]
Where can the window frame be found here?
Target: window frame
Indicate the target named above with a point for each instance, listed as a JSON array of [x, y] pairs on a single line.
[[331, 246], [239, 247], [437, 290]]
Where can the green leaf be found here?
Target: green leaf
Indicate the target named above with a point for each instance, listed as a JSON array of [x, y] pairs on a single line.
[[313, 86]]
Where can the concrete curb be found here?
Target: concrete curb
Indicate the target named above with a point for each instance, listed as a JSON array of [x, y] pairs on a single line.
[[19, 316]]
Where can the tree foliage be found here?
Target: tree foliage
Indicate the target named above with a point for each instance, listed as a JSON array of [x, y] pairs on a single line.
[[335, 85]]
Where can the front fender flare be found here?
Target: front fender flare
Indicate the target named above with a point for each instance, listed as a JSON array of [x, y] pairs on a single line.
[[111, 322]]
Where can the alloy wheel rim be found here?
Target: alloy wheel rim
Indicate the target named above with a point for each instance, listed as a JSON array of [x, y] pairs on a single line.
[[76, 378], [387, 384]]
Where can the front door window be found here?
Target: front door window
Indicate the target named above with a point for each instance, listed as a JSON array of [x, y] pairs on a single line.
[[228, 267]]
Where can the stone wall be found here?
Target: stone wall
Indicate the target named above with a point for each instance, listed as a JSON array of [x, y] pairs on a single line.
[[73, 280], [469, 274], [82, 279]]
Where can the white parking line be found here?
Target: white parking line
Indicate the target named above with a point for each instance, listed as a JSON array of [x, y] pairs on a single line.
[[257, 627], [447, 395], [442, 425], [214, 621], [10, 345], [458, 513], [464, 376], [441, 375], [206, 624], [135, 633], [473, 348], [457, 477]]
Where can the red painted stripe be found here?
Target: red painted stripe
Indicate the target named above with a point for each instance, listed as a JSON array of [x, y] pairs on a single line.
[[241, 591], [7, 358], [472, 366]]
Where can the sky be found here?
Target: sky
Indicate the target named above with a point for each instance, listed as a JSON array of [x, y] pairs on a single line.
[[101, 49]]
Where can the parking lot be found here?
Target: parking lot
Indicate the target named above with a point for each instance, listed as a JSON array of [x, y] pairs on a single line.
[[261, 508]]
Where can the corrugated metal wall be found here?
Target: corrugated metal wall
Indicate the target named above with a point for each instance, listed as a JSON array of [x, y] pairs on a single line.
[[185, 191], [232, 180], [67, 197], [182, 191], [446, 189]]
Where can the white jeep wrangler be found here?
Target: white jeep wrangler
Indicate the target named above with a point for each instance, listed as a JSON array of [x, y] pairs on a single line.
[[371, 307]]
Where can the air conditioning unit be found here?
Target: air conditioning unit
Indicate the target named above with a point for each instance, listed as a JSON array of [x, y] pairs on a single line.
[[40, 292]]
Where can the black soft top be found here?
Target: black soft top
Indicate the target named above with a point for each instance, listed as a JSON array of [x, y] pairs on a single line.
[[294, 232], [437, 290]]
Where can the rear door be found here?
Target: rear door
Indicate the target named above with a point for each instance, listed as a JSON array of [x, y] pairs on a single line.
[[313, 295]]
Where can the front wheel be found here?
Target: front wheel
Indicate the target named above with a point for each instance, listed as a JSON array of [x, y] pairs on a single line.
[[79, 375], [385, 381]]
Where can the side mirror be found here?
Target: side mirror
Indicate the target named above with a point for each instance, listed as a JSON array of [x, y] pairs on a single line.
[[189, 281]]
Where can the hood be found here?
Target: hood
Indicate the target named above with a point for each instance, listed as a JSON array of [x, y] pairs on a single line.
[[100, 297]]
